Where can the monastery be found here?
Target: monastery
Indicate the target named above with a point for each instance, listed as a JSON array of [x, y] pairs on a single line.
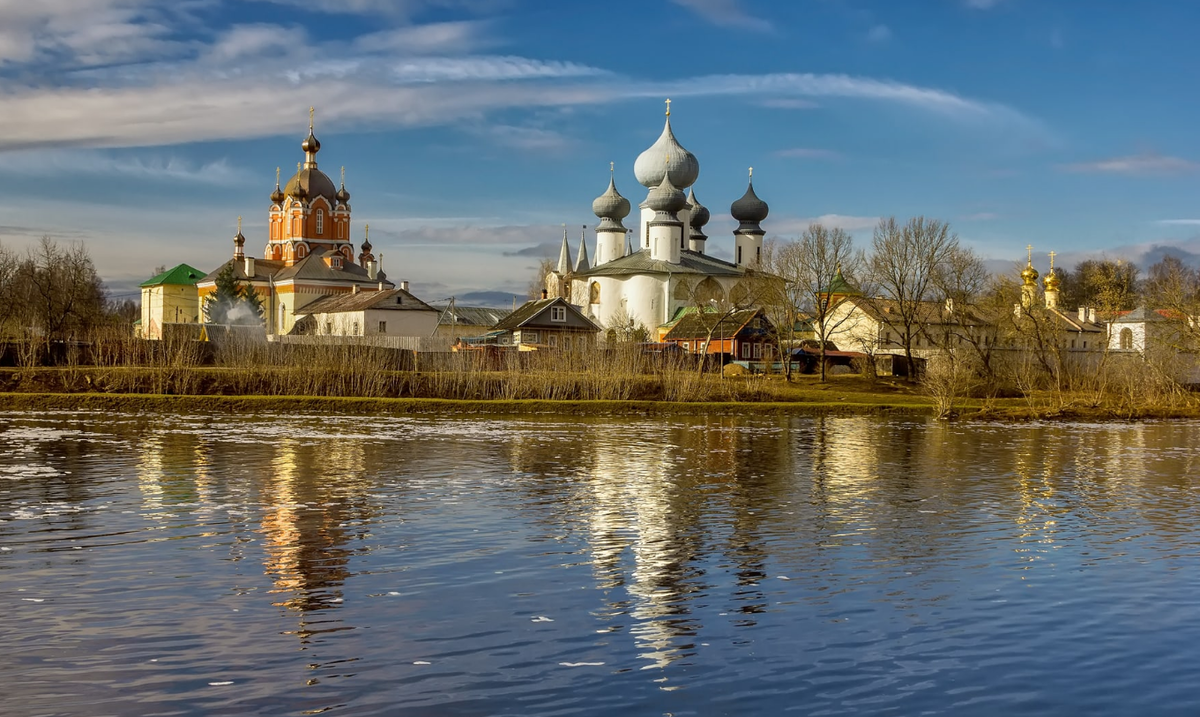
[[309, 254], [669, 269]]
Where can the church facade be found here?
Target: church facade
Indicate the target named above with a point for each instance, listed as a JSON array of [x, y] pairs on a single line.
[[309, 253], [649, 277]]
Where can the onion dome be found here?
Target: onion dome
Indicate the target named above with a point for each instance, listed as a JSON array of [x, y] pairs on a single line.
[[277, 196], [310, 183], [665, 197], [1051, 281], [1029, 275], [700, 213], [342, 195], [666, 157], [611, 208], [749, 211], [310, 145]]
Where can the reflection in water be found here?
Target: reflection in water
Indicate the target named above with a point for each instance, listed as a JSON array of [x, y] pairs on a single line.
[[849, 564]]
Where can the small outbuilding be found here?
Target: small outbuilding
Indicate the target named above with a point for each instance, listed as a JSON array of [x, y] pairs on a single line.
[[391, 312], [546, 323]]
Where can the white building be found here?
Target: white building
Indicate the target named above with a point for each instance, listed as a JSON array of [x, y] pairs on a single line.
[[648, 278], [390, 312]]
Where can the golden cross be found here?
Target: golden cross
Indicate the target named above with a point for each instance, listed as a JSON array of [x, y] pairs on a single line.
[[668, 106], [239, 225], [311, 111], [752, 173], [366, 231], [343, 176], [277, 176], [1052, 255], [611, 167], [297, 166], [1029, 249]]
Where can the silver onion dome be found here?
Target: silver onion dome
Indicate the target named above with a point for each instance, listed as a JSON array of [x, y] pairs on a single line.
[[611, 205], [666, 197], [700, 213], [666, 157]]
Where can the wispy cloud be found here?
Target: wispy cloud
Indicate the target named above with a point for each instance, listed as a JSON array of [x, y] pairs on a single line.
[[1179, 222], [1147, 163], [51, 163], [879, 33], [435, 38], [849, 223], [981, 217], [808, 153], [787, 103], [982, 4], [726, 13]]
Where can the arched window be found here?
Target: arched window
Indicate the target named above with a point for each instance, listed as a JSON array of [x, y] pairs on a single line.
[[594, 293], [320, 222], [1126, 339]]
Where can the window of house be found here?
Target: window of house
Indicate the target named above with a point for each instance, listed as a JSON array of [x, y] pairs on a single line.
[[757, 351], [687, 345], [529, 337], [745, 351], [328, 327], [355, 333], [558, 313], [553, 341], [1126, 339], [320, 222], [383, 327], [1072, 343], [1085, 344]]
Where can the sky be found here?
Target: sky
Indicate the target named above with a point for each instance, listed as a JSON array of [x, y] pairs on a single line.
[[473, 130]]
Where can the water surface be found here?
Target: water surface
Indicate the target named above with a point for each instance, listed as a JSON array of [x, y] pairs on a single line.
[[286, 565]]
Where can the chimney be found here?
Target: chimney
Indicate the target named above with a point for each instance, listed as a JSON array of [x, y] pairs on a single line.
[[404, 285], [1092, 315], [1083, 312], [372, 270], [380, 286], [354, 289], [249, 267], [544, 293]]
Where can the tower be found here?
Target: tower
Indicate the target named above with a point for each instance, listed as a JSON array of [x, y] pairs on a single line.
[[700, 217], [1051, 282], [748, 237], [309, 215], [1029, 277], [611, 208], [665, 159]]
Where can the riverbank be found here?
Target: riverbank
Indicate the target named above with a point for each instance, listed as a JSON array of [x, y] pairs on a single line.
[[835, 403]]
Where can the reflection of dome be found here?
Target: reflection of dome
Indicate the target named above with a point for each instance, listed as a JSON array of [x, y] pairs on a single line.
[[1051, 281], [611, 205], [749, 209], [666, 197], [310, 184], [666, 157]]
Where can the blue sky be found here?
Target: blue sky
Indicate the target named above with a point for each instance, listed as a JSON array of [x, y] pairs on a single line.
[[471, 130]]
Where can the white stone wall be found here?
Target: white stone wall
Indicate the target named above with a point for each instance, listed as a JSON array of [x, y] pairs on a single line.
[[366, 323]]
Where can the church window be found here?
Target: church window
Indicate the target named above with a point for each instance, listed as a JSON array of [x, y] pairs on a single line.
[[341, 227], [758, 254], [739, 258], [1126, 339], [320, 222], [594, 293], [558, 313]]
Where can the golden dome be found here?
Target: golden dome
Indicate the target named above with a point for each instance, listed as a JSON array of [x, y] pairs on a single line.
[[1051, 281], [1029, 275]]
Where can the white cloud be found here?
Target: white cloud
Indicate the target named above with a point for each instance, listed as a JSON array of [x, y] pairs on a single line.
[[787, 103], [981, 217], [1137, 164], [808, 153], [243, 41], [428, 39], [849, 223], [879, 33], [1179, 222], [51, 163], [726, 13]]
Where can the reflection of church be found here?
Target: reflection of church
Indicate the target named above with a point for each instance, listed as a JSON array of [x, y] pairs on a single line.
[[650, 277], [309, 252]]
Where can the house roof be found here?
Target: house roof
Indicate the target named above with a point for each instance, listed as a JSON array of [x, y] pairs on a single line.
[[690, 262], [182, 275], [695, 325], [310, 268], [386, 300], [1142, 315], [469, 315], [530, 311]]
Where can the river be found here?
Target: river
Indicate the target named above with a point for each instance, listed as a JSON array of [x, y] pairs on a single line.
[[287, 565]]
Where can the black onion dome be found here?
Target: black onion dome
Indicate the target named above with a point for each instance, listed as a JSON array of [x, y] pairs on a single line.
[[665, 197], [749, 209], [342, 195], [277, 196]]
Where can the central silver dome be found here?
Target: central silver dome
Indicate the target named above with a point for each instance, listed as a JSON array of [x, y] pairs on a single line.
[[666, 158]]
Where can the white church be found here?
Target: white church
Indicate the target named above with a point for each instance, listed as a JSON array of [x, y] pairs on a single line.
[[668, 270]]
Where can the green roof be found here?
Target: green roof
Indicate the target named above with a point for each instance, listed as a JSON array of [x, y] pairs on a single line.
[[182, 275]]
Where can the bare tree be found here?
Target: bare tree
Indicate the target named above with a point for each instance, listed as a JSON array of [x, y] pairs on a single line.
[[9, 295], [538, 283], [815, 271], [1174, 287], [62, 291], [904, 263], [712, 305]]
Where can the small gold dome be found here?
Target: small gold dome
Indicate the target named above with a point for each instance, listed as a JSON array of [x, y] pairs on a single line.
[[1051, 281], [1029, 275]]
